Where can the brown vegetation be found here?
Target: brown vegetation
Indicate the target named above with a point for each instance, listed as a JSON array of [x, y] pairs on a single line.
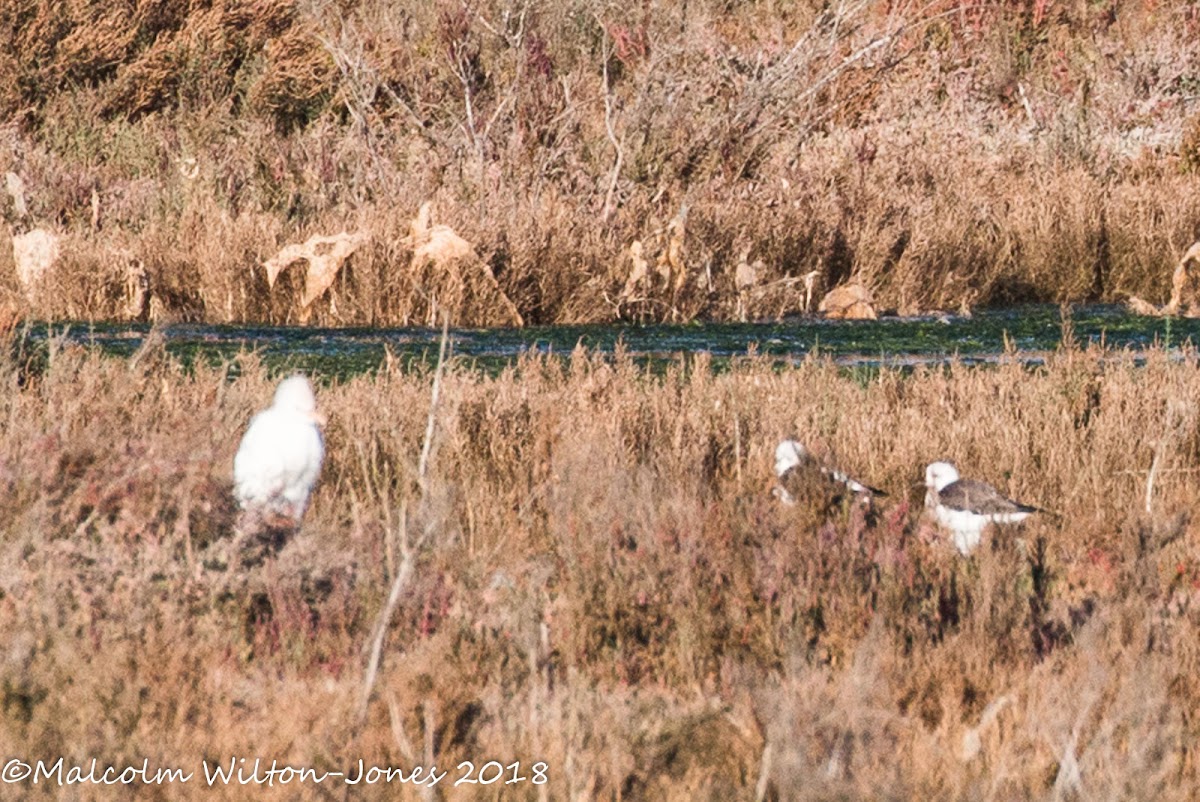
[[848, 302], [1185, 289], [601, 580], [945, 154], [324, 257]]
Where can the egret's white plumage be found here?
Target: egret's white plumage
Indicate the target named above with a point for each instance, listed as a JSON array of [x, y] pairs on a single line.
[[966, 506], [280, 457]]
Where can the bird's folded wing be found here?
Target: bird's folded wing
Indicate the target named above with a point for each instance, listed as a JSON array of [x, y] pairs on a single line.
[[978, 497], [853, 484]]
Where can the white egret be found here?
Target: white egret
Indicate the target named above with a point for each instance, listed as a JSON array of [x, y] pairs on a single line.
[[280, 457]]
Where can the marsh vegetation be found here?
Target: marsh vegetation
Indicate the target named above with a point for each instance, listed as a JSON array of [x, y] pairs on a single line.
[[600, 578], [591, 163]]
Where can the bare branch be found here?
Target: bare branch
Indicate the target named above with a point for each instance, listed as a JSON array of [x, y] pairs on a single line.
[[608, 126], [401, 580]]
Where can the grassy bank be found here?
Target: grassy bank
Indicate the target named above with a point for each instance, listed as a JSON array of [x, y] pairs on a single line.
[[944, 154], [601, 581]]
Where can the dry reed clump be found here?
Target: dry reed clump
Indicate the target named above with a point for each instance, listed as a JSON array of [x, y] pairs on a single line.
[[943, 158], [602, 580], [1185, 290], [324, 256]]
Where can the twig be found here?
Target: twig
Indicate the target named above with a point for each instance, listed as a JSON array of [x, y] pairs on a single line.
[[360, 78], [398, 734], [846, 64], [419, 124], [764, 774], [400, 581], [737, 449], [608, 126], [423, 465], [1178, 418], [1135, 472], [1033, 122], [1158, 451], [429, 717], [381, 626]]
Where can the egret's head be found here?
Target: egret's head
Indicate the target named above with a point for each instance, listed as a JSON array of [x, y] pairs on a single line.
[[295, 394], [940, 474], [788, 455]]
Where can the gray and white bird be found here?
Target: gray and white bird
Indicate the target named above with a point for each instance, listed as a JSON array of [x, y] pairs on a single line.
[[281, 453], [966, 506], [799, 473]]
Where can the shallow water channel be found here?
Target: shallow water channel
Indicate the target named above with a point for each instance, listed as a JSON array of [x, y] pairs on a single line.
[[1030, 331]]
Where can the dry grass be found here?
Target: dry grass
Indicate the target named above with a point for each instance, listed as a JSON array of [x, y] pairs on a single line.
[[942, 154], [606, 584]]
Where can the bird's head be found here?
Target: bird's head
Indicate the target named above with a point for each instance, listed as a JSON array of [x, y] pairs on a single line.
[[940, 474], [295, 394], [788, 455]]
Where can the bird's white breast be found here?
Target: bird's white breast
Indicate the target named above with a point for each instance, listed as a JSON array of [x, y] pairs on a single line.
[[967, 527]]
